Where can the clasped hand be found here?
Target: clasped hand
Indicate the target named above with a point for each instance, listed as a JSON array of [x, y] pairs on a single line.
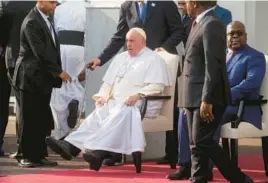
[[206, 112], [100, 101], [132, 100]]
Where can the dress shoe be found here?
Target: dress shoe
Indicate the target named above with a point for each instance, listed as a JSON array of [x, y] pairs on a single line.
[[246, 180], [47, 163], [26, 163], [14, 155], [58, 147], [163, 161], [209, 177], [181, 174], [94, 160], [2, 153], [73, 113], [114, 160]]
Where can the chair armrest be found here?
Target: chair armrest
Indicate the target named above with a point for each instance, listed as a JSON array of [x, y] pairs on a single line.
[[148, 98], [241, 106]]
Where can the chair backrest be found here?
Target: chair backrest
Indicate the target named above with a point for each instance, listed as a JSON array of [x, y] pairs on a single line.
[[172, 62], [264, 92]]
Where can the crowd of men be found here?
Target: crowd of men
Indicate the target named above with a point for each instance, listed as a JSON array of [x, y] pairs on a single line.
[[42, 48]]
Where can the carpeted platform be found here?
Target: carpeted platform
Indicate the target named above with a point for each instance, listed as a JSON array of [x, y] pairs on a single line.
[[152, 173]]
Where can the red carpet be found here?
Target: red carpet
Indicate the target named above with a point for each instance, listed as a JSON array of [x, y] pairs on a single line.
[[152, 173]]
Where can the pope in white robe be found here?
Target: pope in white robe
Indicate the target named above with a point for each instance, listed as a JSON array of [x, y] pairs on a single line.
[[67, 101], [115, 125]]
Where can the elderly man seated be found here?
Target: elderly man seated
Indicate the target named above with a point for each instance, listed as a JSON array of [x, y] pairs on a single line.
[[246, 69], [115, 125]]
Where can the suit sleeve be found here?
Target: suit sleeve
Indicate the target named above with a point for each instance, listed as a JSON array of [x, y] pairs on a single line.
[[118, 39], [214, 43], [35, 38], [227, 17], [255, 72], [175, 26]]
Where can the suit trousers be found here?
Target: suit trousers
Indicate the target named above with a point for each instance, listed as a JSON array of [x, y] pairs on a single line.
[[5, 89], [33, 127], [184, 153], [204, 147]]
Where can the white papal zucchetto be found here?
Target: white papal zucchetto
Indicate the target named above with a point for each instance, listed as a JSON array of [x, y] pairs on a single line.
[[140, 31]]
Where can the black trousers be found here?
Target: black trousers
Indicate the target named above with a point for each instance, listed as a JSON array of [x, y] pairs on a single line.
[[5, 90], [204, 147], [35, 118]]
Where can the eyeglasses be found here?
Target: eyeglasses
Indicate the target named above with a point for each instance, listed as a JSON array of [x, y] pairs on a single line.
[[237, 33]]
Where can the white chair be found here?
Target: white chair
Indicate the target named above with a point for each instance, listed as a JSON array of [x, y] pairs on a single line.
[[234, 132], [163, 122]]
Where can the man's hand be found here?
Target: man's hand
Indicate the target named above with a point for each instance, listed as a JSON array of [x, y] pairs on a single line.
[[133, 99], [100, 101], [82, 76], [93, 63], [65, 77], [206, 112], [159, 49]]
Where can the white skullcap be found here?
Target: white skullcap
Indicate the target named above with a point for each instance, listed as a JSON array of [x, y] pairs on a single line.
[[140, 31]]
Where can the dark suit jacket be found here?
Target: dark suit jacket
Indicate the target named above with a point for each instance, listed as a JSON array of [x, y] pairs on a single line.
[[162, 25], [204, 76], [12, 14], [187, 23], [39, 63]]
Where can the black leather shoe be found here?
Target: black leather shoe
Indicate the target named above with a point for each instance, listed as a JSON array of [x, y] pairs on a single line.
[[246, 180], [2, 153], [94, 160], [163, 161], [181, 174], [58, 147], [73, 113], [27, 163], [47, 163], [15, 155], [114, 160]]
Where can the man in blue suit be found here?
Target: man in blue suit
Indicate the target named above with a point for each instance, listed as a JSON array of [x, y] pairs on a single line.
[[222, 13], [246, 69]]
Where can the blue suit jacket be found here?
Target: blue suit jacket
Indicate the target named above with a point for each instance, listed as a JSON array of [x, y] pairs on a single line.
[[223, 14], [246, 69]]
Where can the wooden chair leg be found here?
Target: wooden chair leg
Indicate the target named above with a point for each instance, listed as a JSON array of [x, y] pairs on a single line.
[[234, 151], [265, 153], [137, 161], [225, 146]]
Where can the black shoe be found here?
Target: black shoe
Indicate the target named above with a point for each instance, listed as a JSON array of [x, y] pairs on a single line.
[[115, 159], [26, 163], [94, 160], [73, 113], [181, 174], [47, 163], [58, 147], [246, 180], [15, 155], [163, 161], [2, 152]]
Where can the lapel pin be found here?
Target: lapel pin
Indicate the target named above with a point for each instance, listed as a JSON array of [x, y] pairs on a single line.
[[153, 5]]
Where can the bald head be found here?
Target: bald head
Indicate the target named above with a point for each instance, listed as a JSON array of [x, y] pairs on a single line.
[[136, 41], [236, 35]]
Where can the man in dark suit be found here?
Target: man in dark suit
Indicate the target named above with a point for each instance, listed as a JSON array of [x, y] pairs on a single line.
[[37, 71], [205, 92], [222, 13], [162, 23], [12, 14], [185, 19]]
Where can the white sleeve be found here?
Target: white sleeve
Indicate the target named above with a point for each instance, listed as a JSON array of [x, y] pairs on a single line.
[[104, 91], [152, 89]]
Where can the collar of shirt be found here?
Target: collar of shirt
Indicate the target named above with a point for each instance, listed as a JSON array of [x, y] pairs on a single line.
[[45, 17], [199, 17], [144, 1]]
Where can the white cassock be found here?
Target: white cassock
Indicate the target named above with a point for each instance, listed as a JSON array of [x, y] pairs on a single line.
[[70, 15], [115, 126]]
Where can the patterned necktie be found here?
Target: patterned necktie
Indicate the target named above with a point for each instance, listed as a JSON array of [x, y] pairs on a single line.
[[51, 29]]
